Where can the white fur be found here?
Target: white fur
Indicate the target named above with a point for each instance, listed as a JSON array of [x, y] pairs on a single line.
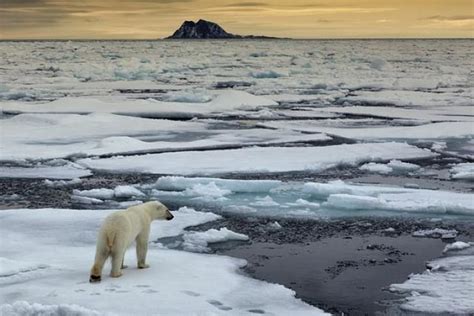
[[118, 232]]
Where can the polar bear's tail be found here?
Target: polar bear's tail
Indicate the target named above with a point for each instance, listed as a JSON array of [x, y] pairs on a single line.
[[110, 240]]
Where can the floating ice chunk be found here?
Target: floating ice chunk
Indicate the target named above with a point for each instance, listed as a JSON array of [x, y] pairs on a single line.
[[127, 204], [264, 74], [303, 202], [394, 166], [85, 200], [445, 289], [198, 241], [360, 197], [127, 191], [183, 218], [439, 146], [458, 245], [400, 166], [266, 201], [323, 190], [376, 167], [436, 233], [26, 309], [210, 189], [62, 183], [183, 183], [198, 96], [274, 226], [104, 194], [464, 171]]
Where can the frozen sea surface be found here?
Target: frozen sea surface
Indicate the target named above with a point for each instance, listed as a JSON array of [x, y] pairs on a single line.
[[273, 125]]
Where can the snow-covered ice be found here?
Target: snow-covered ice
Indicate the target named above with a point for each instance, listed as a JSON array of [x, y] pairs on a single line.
[[224, 100], [182, 183], [463, 171], [258, 160], [447, 288], [199, 241], [340, 195], [394, 166], [62, 244], [458, 245], [436, 233], [249, 107], [66, 170]]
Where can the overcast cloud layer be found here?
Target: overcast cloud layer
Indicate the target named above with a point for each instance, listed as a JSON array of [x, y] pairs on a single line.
[[30, 19]]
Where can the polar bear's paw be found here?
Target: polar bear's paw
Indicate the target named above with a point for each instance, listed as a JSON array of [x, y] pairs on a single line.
[[94, 278], [116, 274], [143, 266]]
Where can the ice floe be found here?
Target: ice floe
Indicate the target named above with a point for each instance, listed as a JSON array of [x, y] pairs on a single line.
[[62, 170], [46, 136], [340, 195], [394, 166], [463, 171], [224, 100], [455, 246], [65, 241], [436, 233], [62, 183], [425, 131], [258, 160], [447, 288], [183, 183], [199, 241]]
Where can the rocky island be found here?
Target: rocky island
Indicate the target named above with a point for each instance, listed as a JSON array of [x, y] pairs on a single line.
[[203, 29]]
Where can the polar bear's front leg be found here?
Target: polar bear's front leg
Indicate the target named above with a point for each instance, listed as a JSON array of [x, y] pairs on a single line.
[[142, 248]]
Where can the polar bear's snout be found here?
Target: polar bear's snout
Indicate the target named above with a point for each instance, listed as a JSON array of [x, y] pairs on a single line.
[[169, 216]]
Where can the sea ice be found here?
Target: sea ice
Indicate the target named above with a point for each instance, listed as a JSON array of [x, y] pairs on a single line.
[[458, 245], [62, 183], [173, 277], [394, 166], [258, 160], [67, 171], [198, 241], [445, 289], [182, 183], [344, 196], [463, 171], [436, 233], [127, 191]]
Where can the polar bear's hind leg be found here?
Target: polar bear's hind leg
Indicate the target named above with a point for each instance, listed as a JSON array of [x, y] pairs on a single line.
[[96, 271]]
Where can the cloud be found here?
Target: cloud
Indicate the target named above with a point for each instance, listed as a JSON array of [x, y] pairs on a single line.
[[247, 4], [450, 18]]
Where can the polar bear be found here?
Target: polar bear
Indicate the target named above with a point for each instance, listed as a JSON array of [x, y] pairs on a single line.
[[118, 232]]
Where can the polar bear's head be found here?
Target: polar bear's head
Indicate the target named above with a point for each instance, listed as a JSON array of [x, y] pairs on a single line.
[[157, 210]]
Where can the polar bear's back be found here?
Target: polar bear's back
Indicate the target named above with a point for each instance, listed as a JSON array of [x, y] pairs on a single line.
[[123, 226]]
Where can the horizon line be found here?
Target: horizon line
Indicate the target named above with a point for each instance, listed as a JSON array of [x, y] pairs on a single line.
[[231, 39]]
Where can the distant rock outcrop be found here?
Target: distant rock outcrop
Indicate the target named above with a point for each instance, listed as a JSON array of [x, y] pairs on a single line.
[[203, 29]]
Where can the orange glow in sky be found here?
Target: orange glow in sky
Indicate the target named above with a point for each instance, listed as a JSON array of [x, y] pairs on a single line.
[[145, 19]]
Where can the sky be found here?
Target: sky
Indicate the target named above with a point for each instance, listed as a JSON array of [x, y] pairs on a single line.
[[150, 19]]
